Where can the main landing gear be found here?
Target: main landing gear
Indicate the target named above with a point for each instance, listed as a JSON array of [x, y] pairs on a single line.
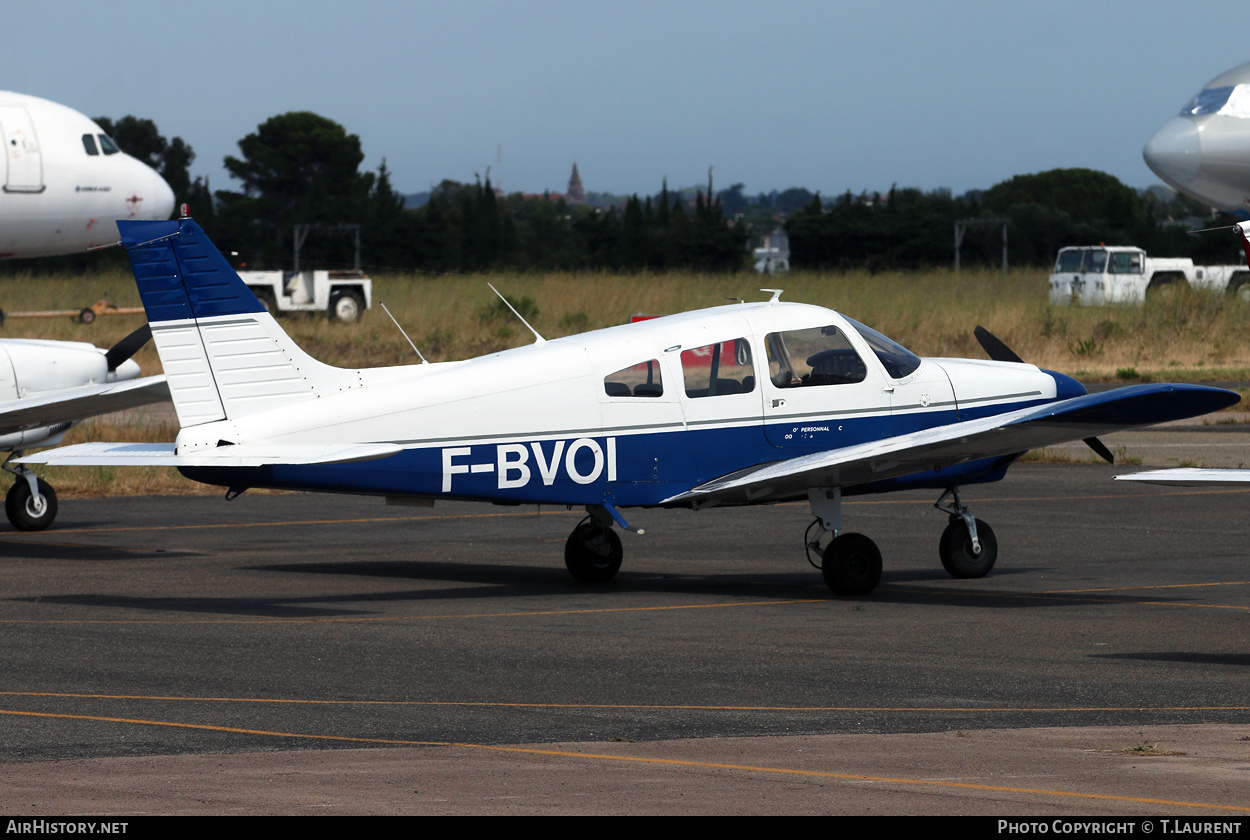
[[31, 502], [851, 563]]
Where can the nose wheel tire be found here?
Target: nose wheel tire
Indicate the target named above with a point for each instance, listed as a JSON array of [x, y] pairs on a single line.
[[26, 512], [955, 548], [593, 553], [851, 565]]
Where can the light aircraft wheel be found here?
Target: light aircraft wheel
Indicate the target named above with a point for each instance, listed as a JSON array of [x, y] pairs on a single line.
[[955, 549], [851, 565], [25, 511], [346, 307], [593, 553]]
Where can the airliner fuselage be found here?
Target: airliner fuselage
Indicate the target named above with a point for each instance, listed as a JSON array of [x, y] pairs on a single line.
[[64, 182]]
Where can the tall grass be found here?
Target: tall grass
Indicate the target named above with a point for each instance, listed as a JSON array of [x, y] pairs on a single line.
[[1193, 334]]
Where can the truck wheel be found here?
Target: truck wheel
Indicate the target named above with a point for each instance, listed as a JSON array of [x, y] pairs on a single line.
[[265, 296], [1164, 286], [86, 316], [346, 307], [1239, 286]]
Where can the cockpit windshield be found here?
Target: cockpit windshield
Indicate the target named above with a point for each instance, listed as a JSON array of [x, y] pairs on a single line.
[[1230, 101], [897, 360]]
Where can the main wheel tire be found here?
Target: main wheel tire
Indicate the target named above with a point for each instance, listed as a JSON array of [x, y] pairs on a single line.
[[956, 551], [593, 553], [22, 511], [851, 565], [346, 307]]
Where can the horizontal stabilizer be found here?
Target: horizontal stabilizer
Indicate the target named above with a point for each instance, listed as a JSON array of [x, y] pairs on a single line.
[[959, 443], [1189, 477], [79, 403], [240, 455]]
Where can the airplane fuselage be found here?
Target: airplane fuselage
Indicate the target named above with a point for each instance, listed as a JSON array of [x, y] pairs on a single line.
[[64, 183], [551, 423]]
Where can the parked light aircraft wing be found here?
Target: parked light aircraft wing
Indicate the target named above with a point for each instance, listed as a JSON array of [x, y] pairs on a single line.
[[958, 443], [1189, 477], [240, 455], [79, 403]]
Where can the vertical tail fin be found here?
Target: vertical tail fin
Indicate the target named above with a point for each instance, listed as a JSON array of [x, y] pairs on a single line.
[[224, 356]]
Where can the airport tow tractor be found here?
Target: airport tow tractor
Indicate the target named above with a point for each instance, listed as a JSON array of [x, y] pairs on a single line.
[[750, 403]]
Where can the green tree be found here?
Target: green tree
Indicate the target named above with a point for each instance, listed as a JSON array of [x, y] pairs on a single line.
[[296, 168]]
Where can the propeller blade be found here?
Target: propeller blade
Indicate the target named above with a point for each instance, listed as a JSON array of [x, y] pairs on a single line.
[[994, 348], [1100, 449], [128, 346]]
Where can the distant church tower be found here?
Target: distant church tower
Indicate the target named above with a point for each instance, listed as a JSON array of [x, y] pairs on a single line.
[[575, 193]]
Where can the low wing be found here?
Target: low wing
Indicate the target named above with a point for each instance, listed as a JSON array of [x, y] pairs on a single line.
[[80, 403], [958, 443], [1188, 477], [240, 455]]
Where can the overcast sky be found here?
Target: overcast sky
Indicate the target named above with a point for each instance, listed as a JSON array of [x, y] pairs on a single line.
[[825, 95]]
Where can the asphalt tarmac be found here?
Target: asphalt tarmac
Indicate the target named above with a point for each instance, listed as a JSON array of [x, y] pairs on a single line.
[[319, 654]]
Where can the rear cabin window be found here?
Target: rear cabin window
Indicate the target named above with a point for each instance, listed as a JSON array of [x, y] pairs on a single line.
[[816, 356], [640, 380], [718, 369], [88, 143]]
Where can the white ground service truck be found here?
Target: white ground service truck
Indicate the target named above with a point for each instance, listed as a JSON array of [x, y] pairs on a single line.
[[345, 295], [1101, 274]]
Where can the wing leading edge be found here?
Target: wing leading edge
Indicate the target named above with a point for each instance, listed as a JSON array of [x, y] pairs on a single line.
[[959, 443]]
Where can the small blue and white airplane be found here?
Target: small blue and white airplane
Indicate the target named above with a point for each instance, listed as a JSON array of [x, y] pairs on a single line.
[[742, 404]]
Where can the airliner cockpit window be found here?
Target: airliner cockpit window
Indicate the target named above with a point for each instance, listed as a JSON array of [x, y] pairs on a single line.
[[640, 380], [107, 145], [88, 143], [897, 360], [816, 356], [1231, 101]]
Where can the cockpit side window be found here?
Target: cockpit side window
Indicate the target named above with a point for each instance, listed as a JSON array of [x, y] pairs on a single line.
[[640, 380], [816, 356], [88, 143], [718, 369], [107, 145]]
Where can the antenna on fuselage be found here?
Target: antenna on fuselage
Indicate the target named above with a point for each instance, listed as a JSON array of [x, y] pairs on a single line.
[[404, 334], [538, 339], [776, 294]]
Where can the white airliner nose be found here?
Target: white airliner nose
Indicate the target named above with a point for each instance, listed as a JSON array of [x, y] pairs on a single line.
[[1175, 153], [162, 198]]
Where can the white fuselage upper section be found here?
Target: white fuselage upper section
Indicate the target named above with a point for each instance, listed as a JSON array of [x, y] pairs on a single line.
[[62, 186], [558, 389]]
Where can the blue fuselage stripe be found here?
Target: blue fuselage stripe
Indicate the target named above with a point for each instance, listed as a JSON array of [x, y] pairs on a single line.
[[622, 468]]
